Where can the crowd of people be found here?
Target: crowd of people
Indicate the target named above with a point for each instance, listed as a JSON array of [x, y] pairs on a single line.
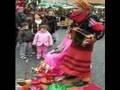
[[100, 12], [72, 57], [28, 24]]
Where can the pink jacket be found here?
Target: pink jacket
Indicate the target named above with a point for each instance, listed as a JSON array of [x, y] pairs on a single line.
[[43, 39]]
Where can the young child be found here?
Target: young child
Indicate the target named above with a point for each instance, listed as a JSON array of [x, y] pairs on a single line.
[[25, 38], [42, 41]]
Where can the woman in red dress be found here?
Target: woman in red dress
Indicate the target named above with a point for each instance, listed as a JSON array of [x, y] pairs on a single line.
[[77, 60]]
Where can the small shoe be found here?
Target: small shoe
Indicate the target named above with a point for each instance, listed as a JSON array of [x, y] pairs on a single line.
[[33, 53], [23, 57]]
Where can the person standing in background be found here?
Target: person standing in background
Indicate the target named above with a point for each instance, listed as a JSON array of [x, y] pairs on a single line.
[[52, 23], [25, 38]]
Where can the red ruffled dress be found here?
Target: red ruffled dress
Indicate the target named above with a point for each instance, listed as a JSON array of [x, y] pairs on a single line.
[[77, 62]]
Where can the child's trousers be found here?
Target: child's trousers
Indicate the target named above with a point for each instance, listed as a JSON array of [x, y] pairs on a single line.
[[41, 51], [25, 48]]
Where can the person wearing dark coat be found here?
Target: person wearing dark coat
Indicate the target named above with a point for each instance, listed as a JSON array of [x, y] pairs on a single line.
[[52, 23], [37, 22], [25, 38], [18, 25]]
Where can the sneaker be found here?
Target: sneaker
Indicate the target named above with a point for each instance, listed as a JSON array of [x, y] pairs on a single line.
[[29, 55], [23, 57], [33, 53]]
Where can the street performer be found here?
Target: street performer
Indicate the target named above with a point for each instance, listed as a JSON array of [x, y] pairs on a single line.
[[77, 60]]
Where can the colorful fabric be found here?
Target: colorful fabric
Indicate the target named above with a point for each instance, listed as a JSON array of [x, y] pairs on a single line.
[[55, 59], [36, 85], [20, 4], [96, 26], [77, 61]]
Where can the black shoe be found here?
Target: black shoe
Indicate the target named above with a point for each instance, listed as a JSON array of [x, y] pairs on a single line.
[[80, 83], [54, 40], [69, 77]]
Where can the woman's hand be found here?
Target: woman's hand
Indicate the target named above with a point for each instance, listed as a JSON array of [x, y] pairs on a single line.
[[90, 39]]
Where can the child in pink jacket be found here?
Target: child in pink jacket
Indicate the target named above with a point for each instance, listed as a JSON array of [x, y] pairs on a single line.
[[42, 41]]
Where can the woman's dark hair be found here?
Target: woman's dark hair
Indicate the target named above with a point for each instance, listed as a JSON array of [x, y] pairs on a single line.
[[38, 14]]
